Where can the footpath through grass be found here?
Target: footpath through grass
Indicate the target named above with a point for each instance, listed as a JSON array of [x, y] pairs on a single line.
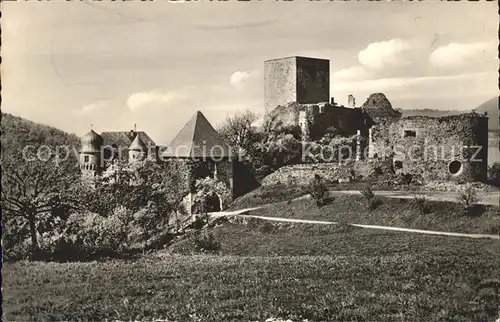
[[351, 209]]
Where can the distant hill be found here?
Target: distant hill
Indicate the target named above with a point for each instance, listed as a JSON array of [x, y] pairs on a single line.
[[18, 133], [428, 112], [491, 107]]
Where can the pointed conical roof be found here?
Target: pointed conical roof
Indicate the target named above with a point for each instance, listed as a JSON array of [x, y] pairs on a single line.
[[137, 145], [197, 139]]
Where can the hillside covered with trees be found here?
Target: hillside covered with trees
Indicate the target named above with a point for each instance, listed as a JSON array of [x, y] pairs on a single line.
[[18, 132]]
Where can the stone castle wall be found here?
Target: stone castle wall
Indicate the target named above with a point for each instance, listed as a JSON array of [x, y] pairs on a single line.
[[315, 119], [427, 146], [303, 174]]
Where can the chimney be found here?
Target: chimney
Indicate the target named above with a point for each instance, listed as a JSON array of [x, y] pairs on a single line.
[[133, 132], [332, 101], [351, 101]]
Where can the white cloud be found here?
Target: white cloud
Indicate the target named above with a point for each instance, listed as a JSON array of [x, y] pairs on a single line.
[[142, 100], [349, 74], [456, 54], [239, 79], [455, 86], [378, 55], [97, 106]]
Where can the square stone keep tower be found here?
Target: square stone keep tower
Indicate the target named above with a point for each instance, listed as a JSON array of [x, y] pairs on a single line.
[[296, 79]]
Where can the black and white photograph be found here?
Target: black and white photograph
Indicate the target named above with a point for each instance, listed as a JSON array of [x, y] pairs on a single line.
[[257, 161]]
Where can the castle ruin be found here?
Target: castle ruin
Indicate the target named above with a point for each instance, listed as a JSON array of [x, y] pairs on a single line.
[[442, 148]]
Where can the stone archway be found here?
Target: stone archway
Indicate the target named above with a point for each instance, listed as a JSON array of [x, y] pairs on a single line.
[[213, 203]]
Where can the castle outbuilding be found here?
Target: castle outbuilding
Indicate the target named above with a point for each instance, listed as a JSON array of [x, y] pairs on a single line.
[[202, 153]]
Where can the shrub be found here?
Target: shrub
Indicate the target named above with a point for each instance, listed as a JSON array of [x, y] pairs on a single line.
[[421, 203], [318, 190], [206, 242], [404, 179], [371, 200], [468, 197], [494, 173]]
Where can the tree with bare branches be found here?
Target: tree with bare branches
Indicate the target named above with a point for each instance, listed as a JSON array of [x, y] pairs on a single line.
[[238, 131]]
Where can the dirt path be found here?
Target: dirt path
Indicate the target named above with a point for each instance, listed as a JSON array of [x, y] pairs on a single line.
[[241, 212], [487, 198]]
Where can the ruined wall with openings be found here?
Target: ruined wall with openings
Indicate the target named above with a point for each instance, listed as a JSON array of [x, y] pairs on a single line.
[[446, 148], [316, 119]]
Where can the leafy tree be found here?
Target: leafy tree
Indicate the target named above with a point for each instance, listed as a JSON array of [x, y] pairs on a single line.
[[33, 189], [279, 150], [135, 186]]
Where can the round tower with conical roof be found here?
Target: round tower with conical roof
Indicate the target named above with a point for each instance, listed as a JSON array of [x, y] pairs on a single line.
[[90, 154], [137, 150]]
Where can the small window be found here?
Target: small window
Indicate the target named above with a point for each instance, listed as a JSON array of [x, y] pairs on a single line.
[[86, 158], [455, 167], [398, 164], [410, 133]]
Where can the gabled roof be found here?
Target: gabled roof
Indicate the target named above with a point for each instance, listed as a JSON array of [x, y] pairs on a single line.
[[125, 138], [122, 140], [197, 139]]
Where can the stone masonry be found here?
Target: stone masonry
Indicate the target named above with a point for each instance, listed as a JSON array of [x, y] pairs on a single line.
[[296, 79]]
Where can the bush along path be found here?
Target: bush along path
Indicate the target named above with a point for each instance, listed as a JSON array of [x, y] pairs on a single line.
[[242, 213]]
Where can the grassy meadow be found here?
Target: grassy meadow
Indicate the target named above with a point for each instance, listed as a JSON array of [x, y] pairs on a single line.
[[258, 269], [263, 270]]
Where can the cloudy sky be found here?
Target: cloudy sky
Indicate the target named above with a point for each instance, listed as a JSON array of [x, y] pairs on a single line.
[[112, 64]]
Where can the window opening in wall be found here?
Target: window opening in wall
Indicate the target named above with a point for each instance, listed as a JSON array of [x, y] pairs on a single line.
[[398, 164], [86, 158], [410, 133], [455, 167]]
